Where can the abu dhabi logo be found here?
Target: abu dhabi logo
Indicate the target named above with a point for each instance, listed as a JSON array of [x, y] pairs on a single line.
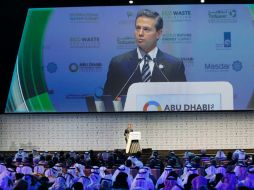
[[152, 106], [73, 67], [237, 66]]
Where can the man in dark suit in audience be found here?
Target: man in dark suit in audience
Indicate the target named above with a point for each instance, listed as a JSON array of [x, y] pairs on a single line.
[[147, 63]]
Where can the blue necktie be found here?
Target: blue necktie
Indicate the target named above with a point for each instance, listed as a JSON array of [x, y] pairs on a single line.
[[146, 73]]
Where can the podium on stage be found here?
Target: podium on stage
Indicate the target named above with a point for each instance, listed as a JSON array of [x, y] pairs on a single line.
[[179, 96], [133, 145]]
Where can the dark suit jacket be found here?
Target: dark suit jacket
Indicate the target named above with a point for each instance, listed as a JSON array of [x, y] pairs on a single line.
[[121, 67]]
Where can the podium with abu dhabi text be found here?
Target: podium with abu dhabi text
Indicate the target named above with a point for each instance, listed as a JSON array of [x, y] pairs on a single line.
[[133, 145], [180, 96]]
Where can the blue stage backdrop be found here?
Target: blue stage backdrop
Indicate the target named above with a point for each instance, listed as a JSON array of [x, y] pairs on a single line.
[[64, 53]]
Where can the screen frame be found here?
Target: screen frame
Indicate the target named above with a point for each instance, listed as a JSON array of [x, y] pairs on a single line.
[[14, 14]]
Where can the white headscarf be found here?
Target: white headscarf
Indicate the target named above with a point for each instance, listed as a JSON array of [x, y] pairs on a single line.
[[2, 167], [95, 177], [126, 170], [26, 170], [19, 168], [59, 169], [221, 170], [39, 169], [142, 180], [85, 181], [59, 184], [102, 171], [220, 155], [5, 182], [80, 169], [240, 172], [249, 180], [51, 174], [70, 176], [163, 176], [211, 173]]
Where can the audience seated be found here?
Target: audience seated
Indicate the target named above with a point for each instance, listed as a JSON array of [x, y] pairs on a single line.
[[72, 170]]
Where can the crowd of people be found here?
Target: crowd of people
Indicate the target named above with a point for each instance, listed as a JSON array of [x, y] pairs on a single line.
[[114, 170]]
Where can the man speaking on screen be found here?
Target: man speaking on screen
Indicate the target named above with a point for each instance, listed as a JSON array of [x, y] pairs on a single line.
[[146, 63]]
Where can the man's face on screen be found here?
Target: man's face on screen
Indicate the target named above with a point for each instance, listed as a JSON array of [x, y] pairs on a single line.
[[146, 33]]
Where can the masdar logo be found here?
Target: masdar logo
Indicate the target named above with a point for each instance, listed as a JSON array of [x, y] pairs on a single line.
[[152, 106]]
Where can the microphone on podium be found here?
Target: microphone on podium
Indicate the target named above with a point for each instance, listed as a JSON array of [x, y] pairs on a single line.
[[136, 68], [158, 66]]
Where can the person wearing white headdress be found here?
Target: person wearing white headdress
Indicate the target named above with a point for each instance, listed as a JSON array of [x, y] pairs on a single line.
[[20, 154], [39, 169], [19, 168], [106, 182], [59, 169], [240, 171], [7, 178], [51, 174], [102, 171], [59, 184], [249, 180], [5, 182], [26, 170], [198, 182], [2, 168], [79, 169], [143, 180], [229, 182], [163, 176], [189, 172], [95, 178], [169, 183], [210, 173], [186, 168], [70, 176], [32, 182], [136, 162], [220, 170], [85, 181], [220, 155], [124, 169]]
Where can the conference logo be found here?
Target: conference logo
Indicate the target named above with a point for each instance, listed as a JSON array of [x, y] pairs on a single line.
[[224, 67], [177, 38], [216, 67], [83, 17], [86, 67], [152, 106], [176, 15], [226, 44], [126, 42], [237, 66], [52, 67], [73, 67], [85, 42], [222, 16]]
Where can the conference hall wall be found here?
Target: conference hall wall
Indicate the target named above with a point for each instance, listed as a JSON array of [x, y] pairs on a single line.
[[104, 131], [177, 131]]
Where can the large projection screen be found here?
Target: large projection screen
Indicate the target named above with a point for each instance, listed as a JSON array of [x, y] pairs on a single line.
[[65, 54]]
